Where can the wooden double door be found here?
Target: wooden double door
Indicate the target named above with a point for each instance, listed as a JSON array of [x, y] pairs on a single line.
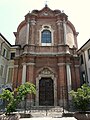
[[46, 92]]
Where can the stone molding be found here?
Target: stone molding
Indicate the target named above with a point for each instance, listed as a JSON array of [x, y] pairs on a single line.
[[61, 64]]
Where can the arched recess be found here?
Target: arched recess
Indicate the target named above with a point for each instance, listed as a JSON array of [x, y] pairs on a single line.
[[46, 73]]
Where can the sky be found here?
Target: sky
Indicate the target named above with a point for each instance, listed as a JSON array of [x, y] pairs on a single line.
[[12, 12]]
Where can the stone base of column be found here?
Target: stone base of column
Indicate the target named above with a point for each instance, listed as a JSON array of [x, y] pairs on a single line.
[[66, 104], [63, 103]]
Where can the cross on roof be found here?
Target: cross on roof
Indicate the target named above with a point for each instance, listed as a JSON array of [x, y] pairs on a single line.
[[46, 3]]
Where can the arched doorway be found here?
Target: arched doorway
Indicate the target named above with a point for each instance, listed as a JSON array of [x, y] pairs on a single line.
[[44, 77], [46, 92]]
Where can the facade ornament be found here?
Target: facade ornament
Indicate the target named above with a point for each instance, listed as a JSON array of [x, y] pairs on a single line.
[[46, 71]]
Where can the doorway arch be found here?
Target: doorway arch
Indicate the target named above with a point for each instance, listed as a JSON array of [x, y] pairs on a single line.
[[46, 74]]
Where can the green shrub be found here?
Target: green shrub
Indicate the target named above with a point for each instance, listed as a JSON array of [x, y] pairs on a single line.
[[14, 98], [81, 97]]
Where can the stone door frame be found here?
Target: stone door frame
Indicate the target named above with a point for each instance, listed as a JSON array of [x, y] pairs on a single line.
[[46, 73]]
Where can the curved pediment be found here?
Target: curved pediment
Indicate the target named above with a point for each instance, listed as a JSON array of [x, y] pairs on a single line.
[[46, 11]]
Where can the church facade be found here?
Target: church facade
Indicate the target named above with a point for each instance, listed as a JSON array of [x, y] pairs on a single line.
[[47, 56]]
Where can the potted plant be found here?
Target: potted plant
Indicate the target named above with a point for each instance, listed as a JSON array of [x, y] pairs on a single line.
[[81, 99], [14, 98]]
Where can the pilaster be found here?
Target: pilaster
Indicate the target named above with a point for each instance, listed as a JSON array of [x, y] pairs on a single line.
[[62, 84], [68, 69], [15, 76], [28, 28], [77, 75], [59, 24], [24, 73], [32, 38], [64, 30], [30, 72], [30, 78]]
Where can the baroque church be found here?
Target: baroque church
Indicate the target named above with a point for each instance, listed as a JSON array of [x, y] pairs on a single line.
[[46, 55]]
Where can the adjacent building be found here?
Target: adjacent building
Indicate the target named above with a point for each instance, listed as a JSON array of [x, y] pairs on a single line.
[[84, 54], [7, 53]]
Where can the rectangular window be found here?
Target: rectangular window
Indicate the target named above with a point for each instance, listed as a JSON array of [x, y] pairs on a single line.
[[4, 53], [1, 70], [10, 75], [46, 36], [81, 59], [83, 77], [12, 55], [89, 53]]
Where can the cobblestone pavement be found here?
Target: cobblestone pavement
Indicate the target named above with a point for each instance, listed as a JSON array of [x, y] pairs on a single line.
[[49, 118]]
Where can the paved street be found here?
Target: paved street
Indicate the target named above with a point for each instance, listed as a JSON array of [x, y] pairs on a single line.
[[49, 118]]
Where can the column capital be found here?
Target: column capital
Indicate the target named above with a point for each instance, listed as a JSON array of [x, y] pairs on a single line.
[[24, 63], [61, 64], [30, 63], [77, 66], [33, 22], [59, 22], [15, 66]]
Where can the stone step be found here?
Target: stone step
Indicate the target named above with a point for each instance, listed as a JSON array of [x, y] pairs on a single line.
[[44, 111], [44, 114]]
